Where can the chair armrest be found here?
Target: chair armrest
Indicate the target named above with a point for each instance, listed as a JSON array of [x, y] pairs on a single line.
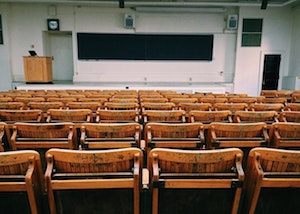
[[48, 172]]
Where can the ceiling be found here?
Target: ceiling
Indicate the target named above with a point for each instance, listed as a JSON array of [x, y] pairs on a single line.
[[168, 3]]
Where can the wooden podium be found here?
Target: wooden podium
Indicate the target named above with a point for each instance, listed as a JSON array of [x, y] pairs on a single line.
[[38, 69]]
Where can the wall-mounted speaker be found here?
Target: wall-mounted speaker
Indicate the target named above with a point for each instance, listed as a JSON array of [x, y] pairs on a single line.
[[129, 21], [232, 22]]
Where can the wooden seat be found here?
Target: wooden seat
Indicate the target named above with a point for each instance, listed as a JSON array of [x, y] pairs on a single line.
[[290, 116], [248, 135], [292, 107], [180, 135], [93, 99], [213, 100], [12, 116], [21, 171], [174, 171], [177, 101], [187, 107], [110, 135], [77, 116], [154, 100], [45, 106], [268, 117], [117, 116], [266, 107], [94, 170], [26, 100], [272, 169], [269, 93], [124, 100], [43, 135], [285, 135], [248, 100], [121, 106], [233, 107], [157, 106], [12, 105], [94, 106], [207, 117], [169, 116], [281, 100], [64, 100]]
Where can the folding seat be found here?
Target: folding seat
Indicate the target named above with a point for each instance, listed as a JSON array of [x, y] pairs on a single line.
[[21, 182], [121, 106], [268, 117], [248, 135], [171, 135], [195, 181], [208, 117], [117, 116], [292, 107], [272, 181], [290, 116], [285, 135], [111, 179], [233, 107], [43, 135], [110, 135], [12, 116], [266, 107], [168, 116], [12, 105]]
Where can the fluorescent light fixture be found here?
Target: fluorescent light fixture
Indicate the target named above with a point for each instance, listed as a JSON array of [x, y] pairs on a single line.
[[180, 9]]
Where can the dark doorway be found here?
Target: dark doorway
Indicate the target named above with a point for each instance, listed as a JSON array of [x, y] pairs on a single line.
[[271, 72]]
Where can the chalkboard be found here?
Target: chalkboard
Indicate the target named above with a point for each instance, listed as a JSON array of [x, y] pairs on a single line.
[[95, 46]]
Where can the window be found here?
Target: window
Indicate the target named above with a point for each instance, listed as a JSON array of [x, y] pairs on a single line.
[[252, 32], [1, 31]]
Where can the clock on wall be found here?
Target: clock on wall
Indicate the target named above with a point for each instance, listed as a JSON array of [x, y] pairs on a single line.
[[53, 24]]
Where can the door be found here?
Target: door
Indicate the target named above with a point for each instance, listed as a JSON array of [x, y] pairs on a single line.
[[59, 46], [271, 71]]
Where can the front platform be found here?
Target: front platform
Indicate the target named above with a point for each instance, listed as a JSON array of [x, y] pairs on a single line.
[[179, 87]]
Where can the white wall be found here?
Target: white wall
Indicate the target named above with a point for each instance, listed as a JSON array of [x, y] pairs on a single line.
[[295, 49], [231, 63], [5, 71], [276, 34]]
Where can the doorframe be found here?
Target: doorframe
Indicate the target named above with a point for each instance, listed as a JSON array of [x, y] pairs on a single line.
[[281, 67]]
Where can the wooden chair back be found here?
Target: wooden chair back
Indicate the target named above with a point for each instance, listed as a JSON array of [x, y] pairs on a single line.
[[222, 135], [290, 116], [207, 117], [26, 100], [124, 100], [12, 105], [64, 100], [190, 169], [43, 135], [21, 171], [170, 135], [269, 93], [94, 106], [6, 99], [268, 117], [177, 101], [213, 100], [12, 116], [117, 116], [187, 107], [271, 168], [292, 107], [248, 100], [285, 135], [281, 100], [77, 116], [121, 106], [110, 135], [266, 107], [107, 169], [45, 106], [157, 106], [93, 99], [169, 116], [233, 107], [154, 100]]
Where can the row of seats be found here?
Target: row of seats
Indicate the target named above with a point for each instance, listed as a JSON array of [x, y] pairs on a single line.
[[167, 135], [170, 170], [79, 116]]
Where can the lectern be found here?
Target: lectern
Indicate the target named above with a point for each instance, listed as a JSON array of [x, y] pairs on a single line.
[[38, 69]]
